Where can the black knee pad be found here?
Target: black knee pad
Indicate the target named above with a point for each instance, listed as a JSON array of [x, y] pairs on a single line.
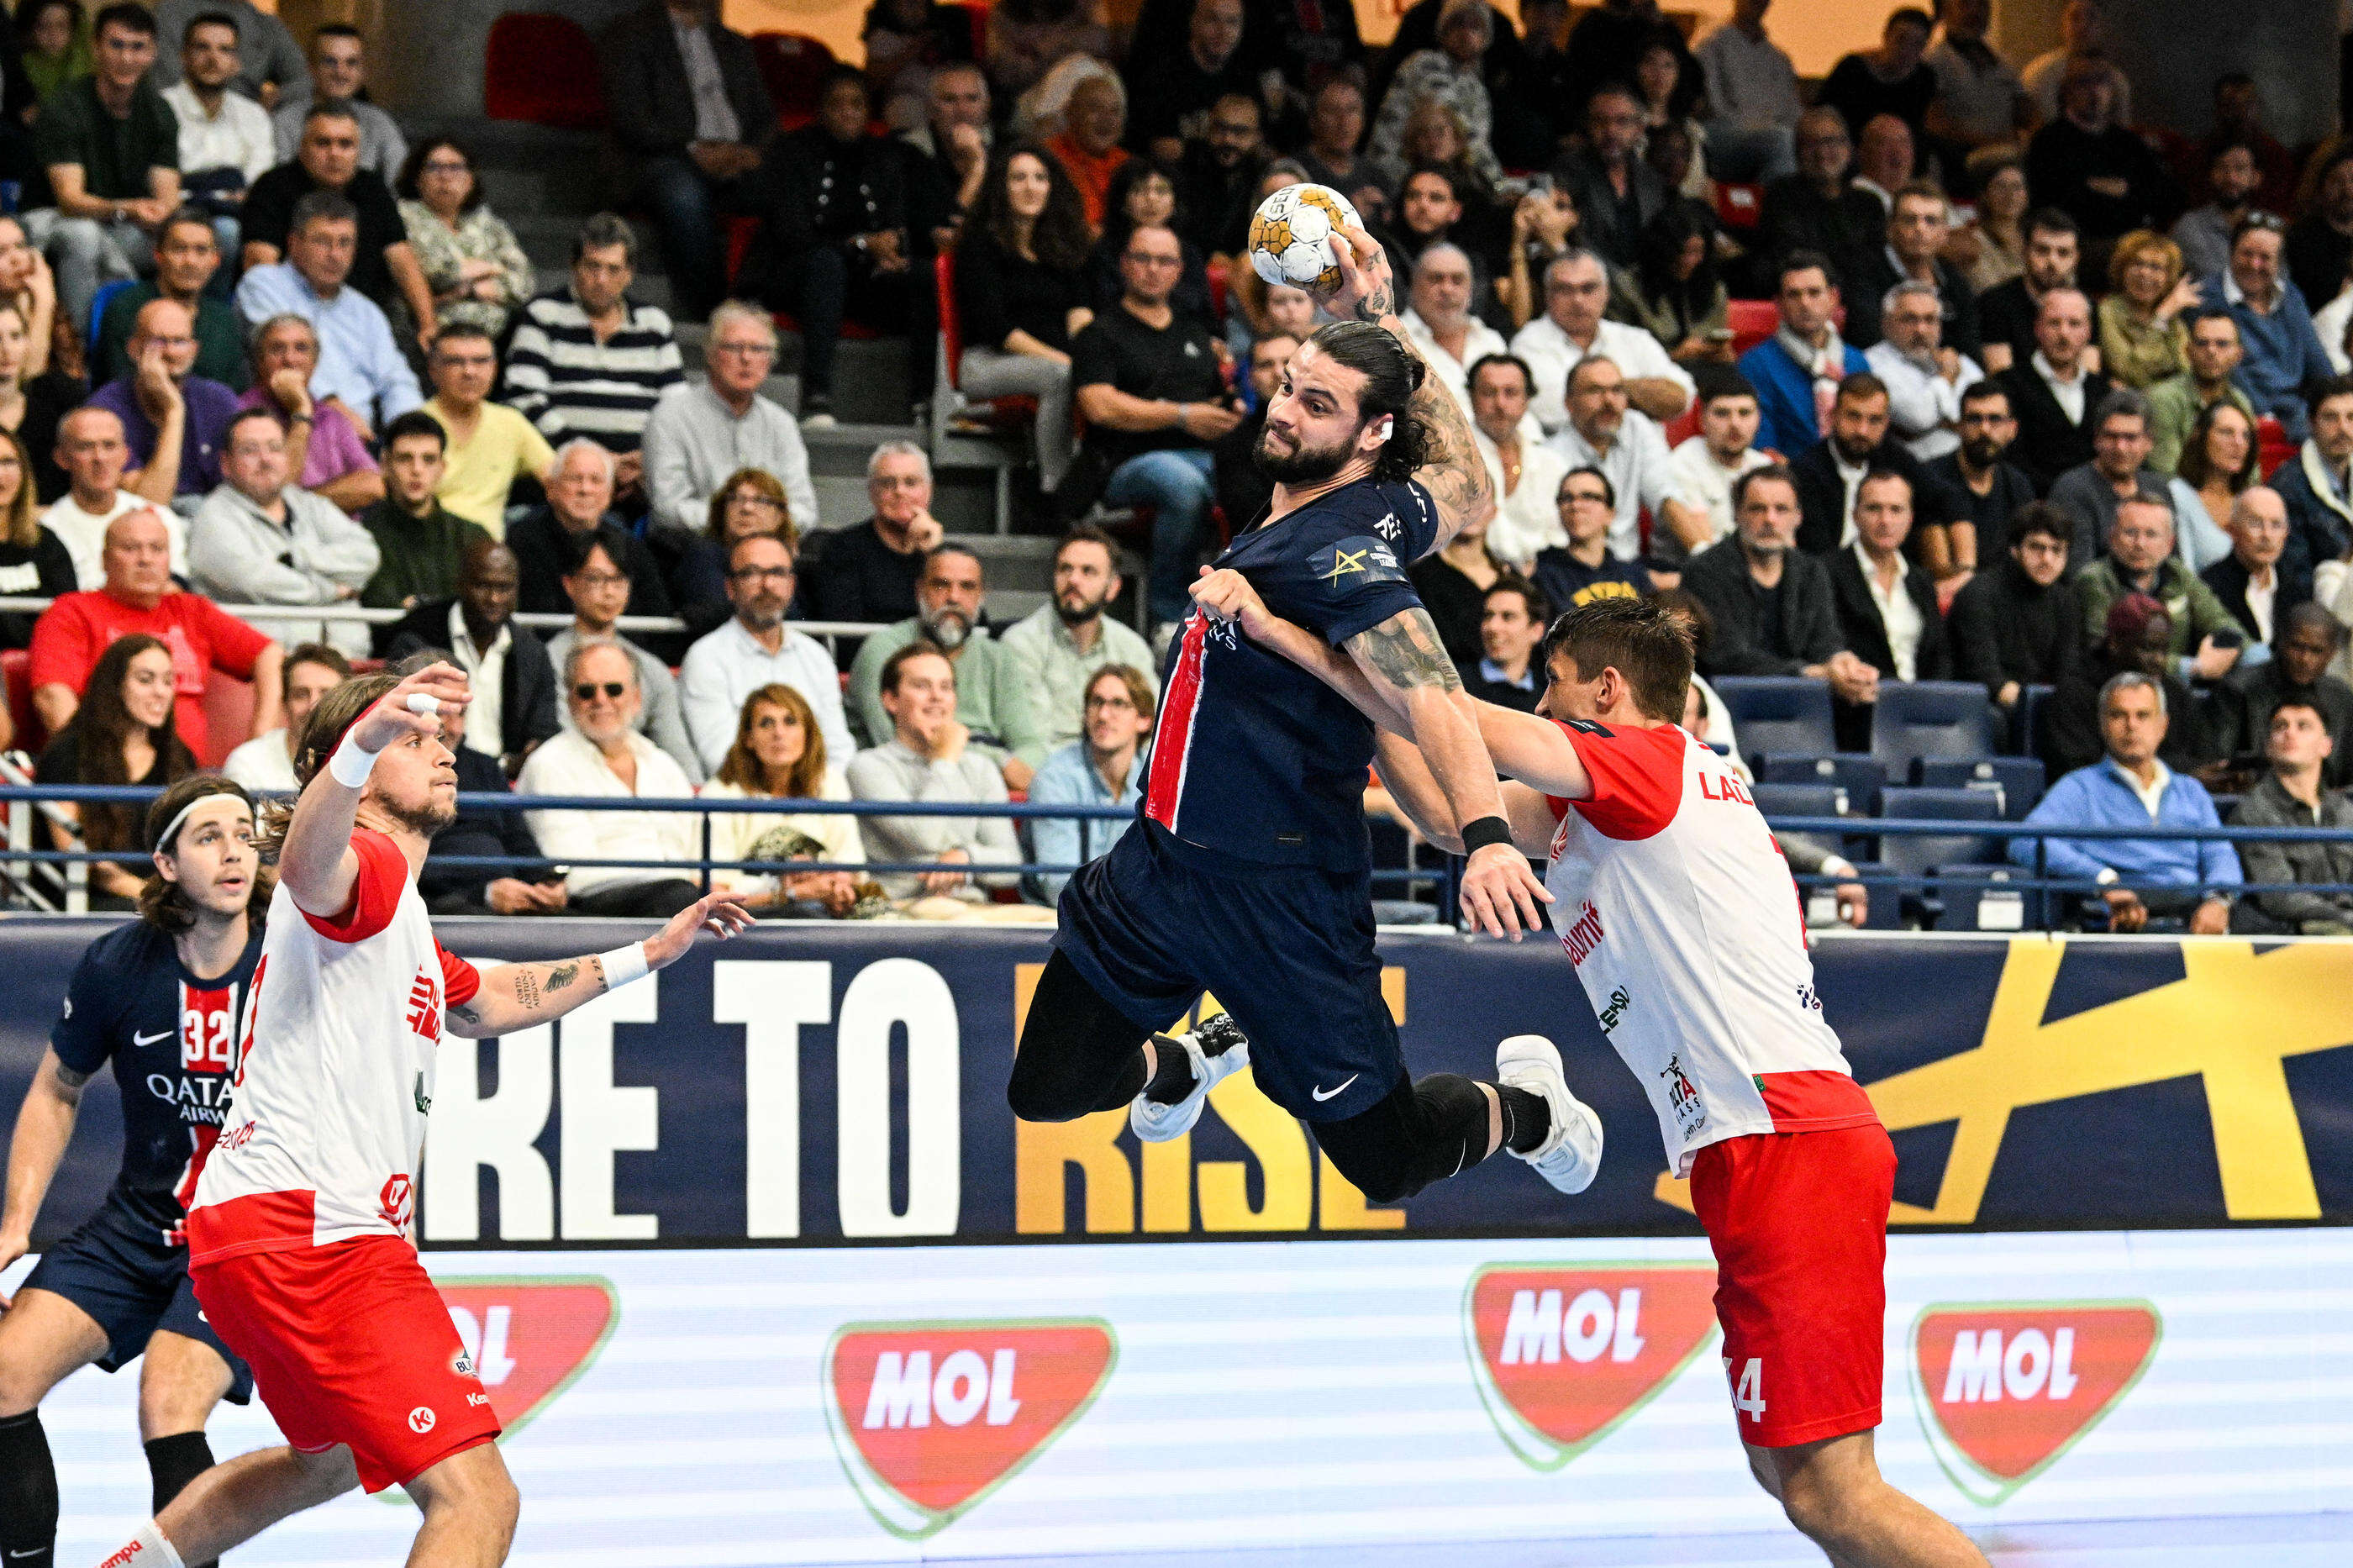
[[1422, 1133]]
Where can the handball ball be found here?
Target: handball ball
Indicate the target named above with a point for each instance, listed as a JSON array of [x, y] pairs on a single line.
[[1290, 238]]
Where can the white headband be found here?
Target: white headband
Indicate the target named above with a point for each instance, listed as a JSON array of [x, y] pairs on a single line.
[[171, 833]]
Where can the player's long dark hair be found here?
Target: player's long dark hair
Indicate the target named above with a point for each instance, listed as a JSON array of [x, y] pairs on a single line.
[[1392, 375], [163, 904], [335, 712]]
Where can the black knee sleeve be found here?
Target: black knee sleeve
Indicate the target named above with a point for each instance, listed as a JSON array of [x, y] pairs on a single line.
[[28, 1492], [1422, 1133], [1078, 1053]]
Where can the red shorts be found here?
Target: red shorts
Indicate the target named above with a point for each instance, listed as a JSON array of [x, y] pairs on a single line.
[[351, 1343], [1798, 1222]]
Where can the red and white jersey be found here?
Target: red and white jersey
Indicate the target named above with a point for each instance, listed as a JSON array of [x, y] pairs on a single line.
[[1677, 909], [327, 1118]]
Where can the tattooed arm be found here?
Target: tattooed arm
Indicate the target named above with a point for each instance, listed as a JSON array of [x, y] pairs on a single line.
[[1454, 474], [517, 996], [45, 1125]]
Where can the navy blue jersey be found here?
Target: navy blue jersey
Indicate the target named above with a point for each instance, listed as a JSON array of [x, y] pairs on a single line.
[[174, 1040], [1253, 759]]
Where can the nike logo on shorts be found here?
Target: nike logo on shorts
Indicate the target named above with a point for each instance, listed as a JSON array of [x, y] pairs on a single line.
[[1324, 1094], [150, 1039]]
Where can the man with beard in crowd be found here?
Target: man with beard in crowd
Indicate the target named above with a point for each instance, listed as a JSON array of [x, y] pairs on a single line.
[[992, 701], [1057, 649]]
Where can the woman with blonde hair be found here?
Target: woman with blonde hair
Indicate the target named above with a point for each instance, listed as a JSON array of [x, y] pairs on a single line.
[[779, 754], [33, 561], [2144, 337], [751, 501]]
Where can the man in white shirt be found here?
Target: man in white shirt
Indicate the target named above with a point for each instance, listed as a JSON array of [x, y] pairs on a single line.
[[1925, 377], [1701, 467], [1887, 606], [1526, 472], [1752, 90], [1576, 290], [226, 142], [266, 762], [1625, 445], [259, 539], [600, 753], [1439, 322], [93, 451], [754, 649]]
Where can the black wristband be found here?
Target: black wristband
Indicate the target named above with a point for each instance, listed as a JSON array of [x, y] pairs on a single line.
[[1486, 830]]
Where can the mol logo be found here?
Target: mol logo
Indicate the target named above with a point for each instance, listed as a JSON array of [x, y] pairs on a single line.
[[2004, 1390], [929, 1418], [1564, 1355], [528, 1339]]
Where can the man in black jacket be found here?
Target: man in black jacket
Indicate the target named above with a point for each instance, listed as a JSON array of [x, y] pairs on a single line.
[[1828, 476], [2308, 641], [514, 685], [2256, 582], [2017, 623], [1915, 230], [835, 232], [1887, 607], [689, 116], [2139, 637], [2006, 312], [2053, 396], [1816, 208], [1771, 603]]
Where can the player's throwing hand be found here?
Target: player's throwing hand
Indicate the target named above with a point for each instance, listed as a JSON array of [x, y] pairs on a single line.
[[721, 914], [1367, 289], [396, 716]]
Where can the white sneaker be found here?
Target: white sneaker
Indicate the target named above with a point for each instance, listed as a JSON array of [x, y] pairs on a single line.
[[1570, 1155], [1155, 1123]]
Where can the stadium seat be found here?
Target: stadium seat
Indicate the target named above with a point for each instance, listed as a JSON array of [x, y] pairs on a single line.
[[1930, 718], [1920, 855], [2023, 740], [1752, 321], [1975, 897], [792, 64], [1860, 776], [228, 717], [1776, 713], [1003, 412], [101, 300], [542, 67], [1780, 800], [2015, 782], [1739, 205], [1681, 428], [16, 667], [2271, 444]]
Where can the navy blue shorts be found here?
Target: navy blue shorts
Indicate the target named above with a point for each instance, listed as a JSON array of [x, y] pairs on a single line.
[[1289, 953], [119, 1269]]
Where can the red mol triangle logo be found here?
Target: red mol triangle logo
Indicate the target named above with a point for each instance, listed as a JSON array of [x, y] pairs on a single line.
[[1563, 1354], [2004, 1389], [528, 1338], [929, 1418]]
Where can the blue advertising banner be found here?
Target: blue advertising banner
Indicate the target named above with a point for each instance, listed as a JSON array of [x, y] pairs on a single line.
[[823, 1084]]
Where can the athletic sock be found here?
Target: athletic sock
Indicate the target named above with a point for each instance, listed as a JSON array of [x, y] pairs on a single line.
[[1172, 1078], [1527, 1119], [28, 1493], [173, 1462], [148, 1549]]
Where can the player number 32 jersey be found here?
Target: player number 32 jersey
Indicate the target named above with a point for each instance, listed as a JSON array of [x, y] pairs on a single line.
[[328, 1116], [1677, 909]]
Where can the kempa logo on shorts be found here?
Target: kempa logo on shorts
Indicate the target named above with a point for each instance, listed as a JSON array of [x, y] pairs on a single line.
[[526, 1339], [1564, 1355], [420, 1420], [2004, 1389], [929, 1418]]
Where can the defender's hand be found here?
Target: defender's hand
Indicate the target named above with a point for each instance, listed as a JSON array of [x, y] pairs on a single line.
[[1501, 891]]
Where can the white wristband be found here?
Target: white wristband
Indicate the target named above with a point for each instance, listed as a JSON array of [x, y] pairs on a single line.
[[351, 762], [624, 965]]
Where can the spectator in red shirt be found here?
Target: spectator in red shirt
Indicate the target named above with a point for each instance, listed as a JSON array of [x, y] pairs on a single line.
[[140, 596]]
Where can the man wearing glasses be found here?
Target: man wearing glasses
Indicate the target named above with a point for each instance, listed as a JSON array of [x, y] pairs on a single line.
[[754, 649], [173, 420], [1585, 570], [1576, 290], [702, 432], [1149, 386]]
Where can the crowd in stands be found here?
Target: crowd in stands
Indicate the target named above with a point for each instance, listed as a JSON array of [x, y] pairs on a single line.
[[2048, 398]]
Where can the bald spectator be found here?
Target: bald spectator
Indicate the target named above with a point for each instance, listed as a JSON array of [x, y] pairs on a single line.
[[323, 450], [1883, 158], [2055, 396], [580, 503], [515, 706], [259, 540], [138, 595], [172, 420], [2254, 582], [1440, 324], [93, 452]]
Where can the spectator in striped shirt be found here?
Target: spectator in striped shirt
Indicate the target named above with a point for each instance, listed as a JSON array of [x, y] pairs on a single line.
[[586, 360]]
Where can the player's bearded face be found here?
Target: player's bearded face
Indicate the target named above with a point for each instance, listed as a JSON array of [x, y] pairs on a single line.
[[416, 786], [1290, 453]]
